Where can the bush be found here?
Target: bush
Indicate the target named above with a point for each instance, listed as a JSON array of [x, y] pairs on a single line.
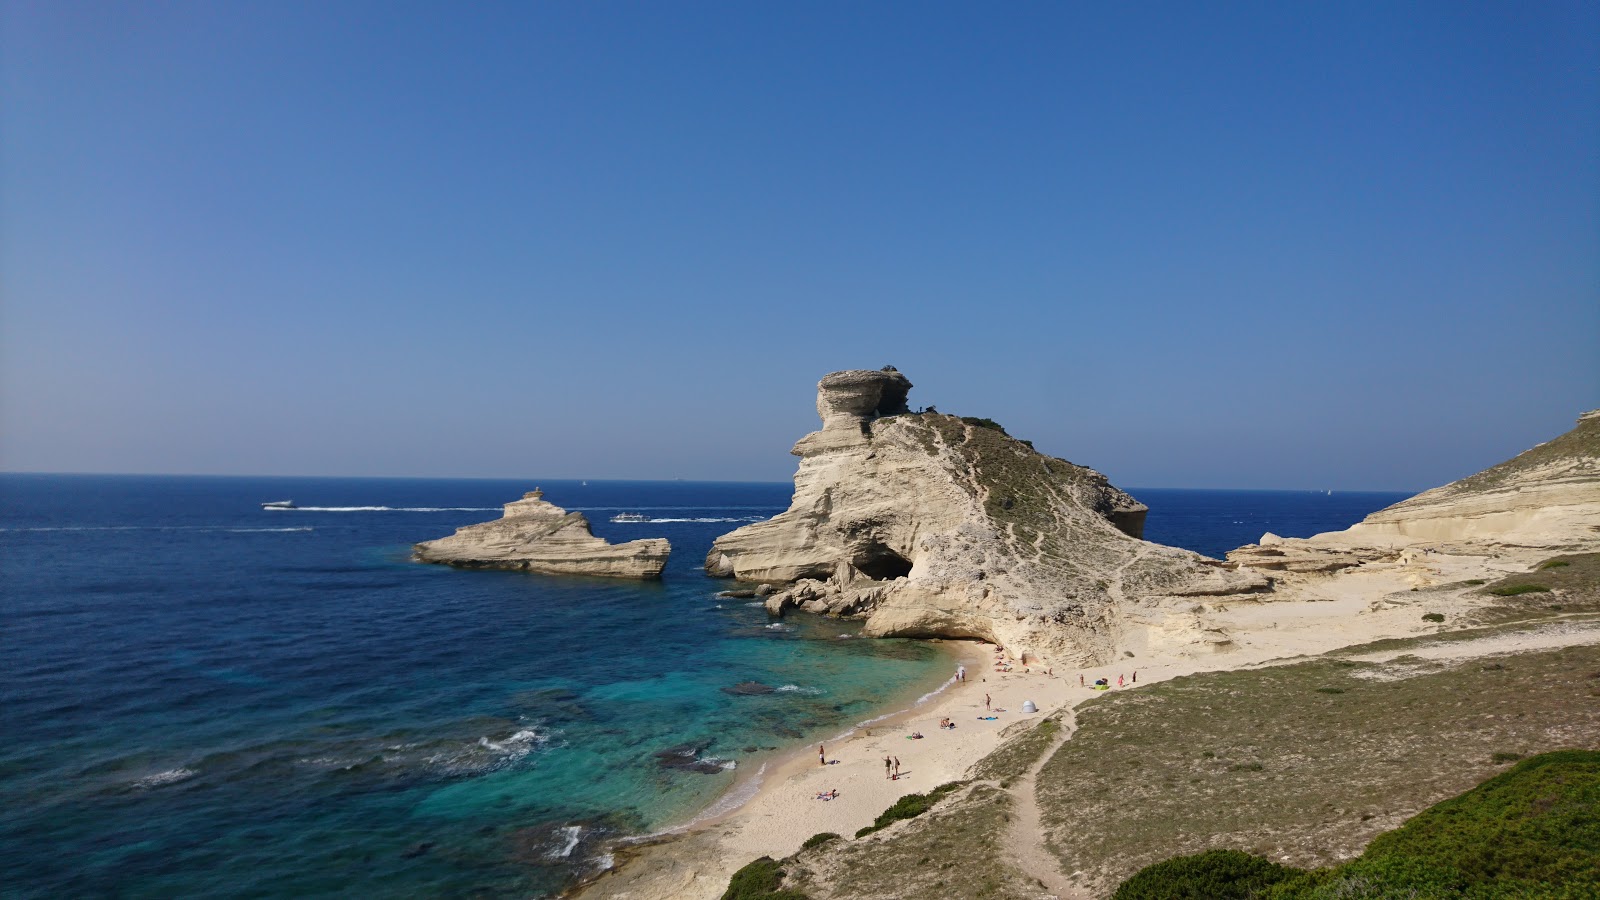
[[1515, 590], [1504, 757], [909, 807], [1554, 564], [983, 423], [756, 881], [1330, 690], [1473, 581], [817, 840], [1433, 617], [1213, 875]]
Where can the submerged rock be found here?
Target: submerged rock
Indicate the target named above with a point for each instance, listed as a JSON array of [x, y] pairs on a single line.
[[748, 688], [539, 536]]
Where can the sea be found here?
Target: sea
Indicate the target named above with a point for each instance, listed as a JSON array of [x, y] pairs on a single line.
[[200, 697]]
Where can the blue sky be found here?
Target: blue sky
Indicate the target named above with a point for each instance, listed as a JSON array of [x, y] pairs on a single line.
[[1264, 245]]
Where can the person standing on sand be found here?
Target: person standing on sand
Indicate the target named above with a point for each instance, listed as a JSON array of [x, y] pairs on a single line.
[[887, 764], [985, 701], [822, 755], [1119, 681], [897, 768], [1080, 679], [961, 673], [1135, 676]]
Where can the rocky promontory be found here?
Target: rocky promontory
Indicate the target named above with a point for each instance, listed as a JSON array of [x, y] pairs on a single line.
[[931, 525], [1544, 500], [538, 536]]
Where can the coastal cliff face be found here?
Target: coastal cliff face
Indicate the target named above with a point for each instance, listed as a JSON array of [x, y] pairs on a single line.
[[538, 536], [931, 525], [1543, 500]]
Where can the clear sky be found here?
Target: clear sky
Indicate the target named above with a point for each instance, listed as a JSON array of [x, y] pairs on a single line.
[[1275, 245]]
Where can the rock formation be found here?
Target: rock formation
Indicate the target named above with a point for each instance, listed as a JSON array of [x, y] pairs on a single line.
[[933, 525], [1545, 499], [541, 537]]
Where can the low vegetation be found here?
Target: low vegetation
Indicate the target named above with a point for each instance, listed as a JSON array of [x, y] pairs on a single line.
[[908, 807], [1560, 586], [1433, 617], [1530, 833], [953, 851], [1213, 875], [1300, 763], [760, 880]]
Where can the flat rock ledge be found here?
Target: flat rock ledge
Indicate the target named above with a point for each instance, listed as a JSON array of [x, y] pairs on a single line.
[[537, 536]]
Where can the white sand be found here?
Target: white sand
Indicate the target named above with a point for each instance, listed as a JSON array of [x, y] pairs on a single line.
[[1310, 616]]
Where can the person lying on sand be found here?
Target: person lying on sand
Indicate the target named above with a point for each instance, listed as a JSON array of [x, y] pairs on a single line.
[[827, 795], [914, 736], [988, 718]]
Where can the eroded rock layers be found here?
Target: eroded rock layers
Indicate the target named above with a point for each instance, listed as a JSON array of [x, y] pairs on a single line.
[[538, 536], [932, 525]]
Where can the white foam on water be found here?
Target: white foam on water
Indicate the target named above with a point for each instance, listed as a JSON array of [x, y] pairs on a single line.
[[737, 796], [571, 834], [347, 509], [653, 521], [778, 626], [171, 776], [797, 689], [268, 530]]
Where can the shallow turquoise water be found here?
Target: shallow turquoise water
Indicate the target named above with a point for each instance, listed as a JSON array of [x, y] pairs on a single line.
[[203, 698]]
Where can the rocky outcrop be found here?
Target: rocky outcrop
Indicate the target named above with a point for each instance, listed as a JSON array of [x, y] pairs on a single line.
[[538, 536], [1546, 499], [932, 525]]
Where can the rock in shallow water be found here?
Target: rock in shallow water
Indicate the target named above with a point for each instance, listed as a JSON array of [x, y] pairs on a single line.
[[538, 536]]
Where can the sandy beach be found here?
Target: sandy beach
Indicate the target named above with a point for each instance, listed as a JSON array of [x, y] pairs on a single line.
[[783, 811]]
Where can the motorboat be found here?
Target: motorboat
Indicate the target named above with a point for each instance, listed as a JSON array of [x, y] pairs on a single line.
[[630, 517], [278, 504]]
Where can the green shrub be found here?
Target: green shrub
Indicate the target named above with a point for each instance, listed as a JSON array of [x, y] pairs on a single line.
[[1213, 875], [863, 832], [976, 422], [1554, 564], [1515, 590], [1330, 690], [1504, 757], [1433, 617], [1246, 767], [817, 840], [1474, 581], [756, 881]]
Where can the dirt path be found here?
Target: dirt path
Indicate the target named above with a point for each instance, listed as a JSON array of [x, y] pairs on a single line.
[[1026, 836]]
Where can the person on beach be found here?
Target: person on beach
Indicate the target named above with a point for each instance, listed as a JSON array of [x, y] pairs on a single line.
[[1135, 676], [1119, 681], [897, 768], [961, 673], [985, 701], [1080, 679], [822, 755], [888, 765]]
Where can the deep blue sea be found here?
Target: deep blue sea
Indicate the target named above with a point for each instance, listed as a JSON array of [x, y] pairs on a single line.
[[199, 697]]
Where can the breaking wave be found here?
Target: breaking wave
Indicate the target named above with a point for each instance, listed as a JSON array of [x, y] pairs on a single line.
[[171, 776]]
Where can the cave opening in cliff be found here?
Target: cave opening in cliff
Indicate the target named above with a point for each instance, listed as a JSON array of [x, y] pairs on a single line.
[[880, 563]]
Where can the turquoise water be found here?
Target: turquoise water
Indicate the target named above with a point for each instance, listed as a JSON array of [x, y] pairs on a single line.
[[200, 697], [203, 698]]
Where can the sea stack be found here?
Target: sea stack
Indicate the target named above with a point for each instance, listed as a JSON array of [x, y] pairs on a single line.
[[538, 536], [933, 525]]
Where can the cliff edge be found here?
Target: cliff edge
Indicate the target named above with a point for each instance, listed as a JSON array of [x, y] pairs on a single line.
[[538, 536], [932, 525]]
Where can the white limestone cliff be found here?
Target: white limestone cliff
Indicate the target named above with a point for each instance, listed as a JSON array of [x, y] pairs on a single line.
[[538, 536], [931, 525]]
